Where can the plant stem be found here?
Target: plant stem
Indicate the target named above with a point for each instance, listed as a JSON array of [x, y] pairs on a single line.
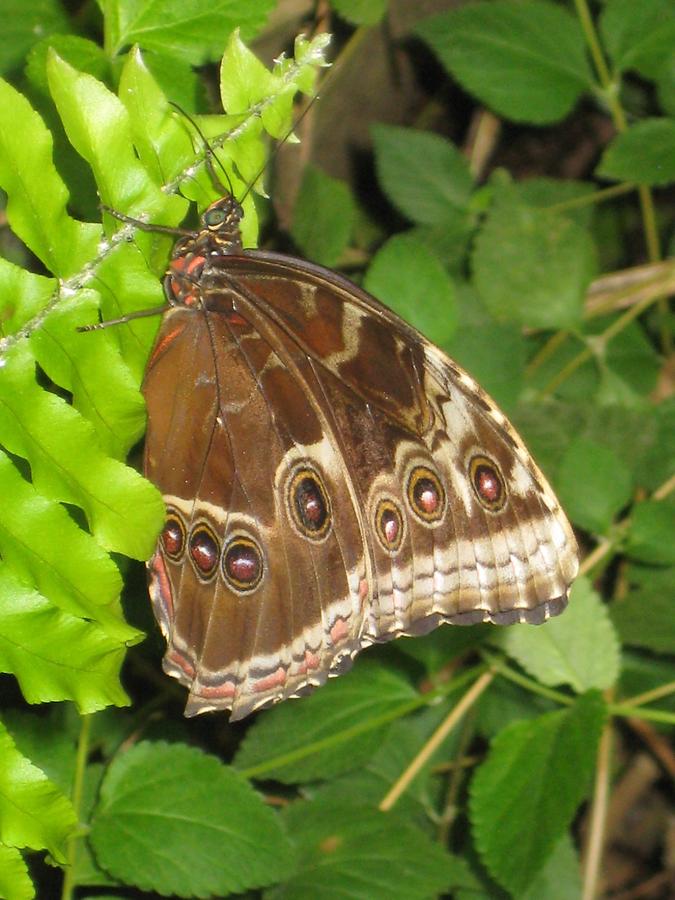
[[78, 785], [596, 838], [436, 740]]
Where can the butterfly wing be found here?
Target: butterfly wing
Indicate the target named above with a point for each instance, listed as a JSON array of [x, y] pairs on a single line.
[[352, 484]]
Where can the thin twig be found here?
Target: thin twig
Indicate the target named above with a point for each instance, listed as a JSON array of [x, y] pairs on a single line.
[[596, 838], [434, 742]]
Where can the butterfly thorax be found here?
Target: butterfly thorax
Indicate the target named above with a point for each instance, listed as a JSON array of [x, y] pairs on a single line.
[[219, 236]]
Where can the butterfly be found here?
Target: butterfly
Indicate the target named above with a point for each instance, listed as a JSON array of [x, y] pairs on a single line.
[[331, 478]]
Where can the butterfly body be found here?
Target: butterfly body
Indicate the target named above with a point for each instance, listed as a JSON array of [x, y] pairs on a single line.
[[331, 478]]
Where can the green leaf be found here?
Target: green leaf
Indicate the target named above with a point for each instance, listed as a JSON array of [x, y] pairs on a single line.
[[650, 536], [644, 617], [344, 850], [73, 572], [593, 484], [645, 154], [507, 702], [190, 30], [579, 648], [97, 125], [107, 396], [48, 739], [86, 870], [246, 85], [525, 60], [80, 53], [33, 813], [68, 465], [639, 36], [560, 878], [523, 797], [329, 732], [244, 80], [323, 217], [544, 192], [24, 23], [56, 656], [160, 138], [643, 672], [530, 265], [424, 176], [494, 353], [631, 357], [174, 820], [36, 195], [15, 882], [407, 276], [371, 782], [361, 12]]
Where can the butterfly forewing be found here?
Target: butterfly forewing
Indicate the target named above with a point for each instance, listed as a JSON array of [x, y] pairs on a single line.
[[331, 480]]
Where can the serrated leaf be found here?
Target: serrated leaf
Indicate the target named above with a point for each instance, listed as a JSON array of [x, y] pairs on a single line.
[[639, 36], [579, 648], [424, 176], [645, 154], [53, 655], [187, 29], [175, 820], [523, 797], [15, 882], [296, 743], [650, 535], [345, 850], [531, 265], [407, 276], [525, 60], [33, 813], [644, 616], [323, 217], [593, 484]]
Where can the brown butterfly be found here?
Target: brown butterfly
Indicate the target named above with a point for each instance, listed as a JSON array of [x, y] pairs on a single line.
[[331, 479]]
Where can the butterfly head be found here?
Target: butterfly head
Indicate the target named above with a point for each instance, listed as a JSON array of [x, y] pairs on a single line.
[[221, 221]]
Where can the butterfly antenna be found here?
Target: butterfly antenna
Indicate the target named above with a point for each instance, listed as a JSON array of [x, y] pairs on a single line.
[[209, 154], [280, 143]]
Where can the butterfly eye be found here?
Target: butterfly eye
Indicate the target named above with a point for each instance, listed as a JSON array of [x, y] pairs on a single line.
[[426, 495], [309, 504], [242, 564], [389, 525], [204, 551], [488, 483], [173, 537], [214, 217]]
